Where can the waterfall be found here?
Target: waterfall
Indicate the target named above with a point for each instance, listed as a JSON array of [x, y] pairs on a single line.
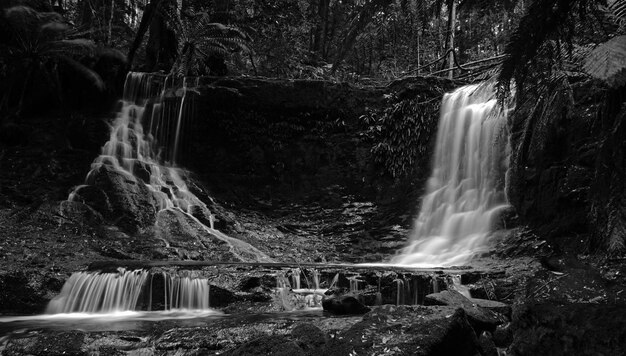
[[86, 292], [133, 152], [145, 142], [465, 190]]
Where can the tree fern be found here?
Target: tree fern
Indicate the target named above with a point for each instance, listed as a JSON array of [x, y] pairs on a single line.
[[199, 38], [36, 42], [607, 62]]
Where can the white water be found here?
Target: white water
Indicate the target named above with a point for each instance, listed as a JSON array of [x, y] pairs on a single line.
[[164, 109], [115, 293], [464, 193]]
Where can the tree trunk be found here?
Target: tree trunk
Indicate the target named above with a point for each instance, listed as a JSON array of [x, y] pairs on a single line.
[[161, 50], [110, 30], [321, 26], [222, 12], [451, 28], [363, 18], [146, 20]]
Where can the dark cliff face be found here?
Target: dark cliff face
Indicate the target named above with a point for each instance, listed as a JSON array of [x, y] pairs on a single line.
[[567, 149], [296, 140]]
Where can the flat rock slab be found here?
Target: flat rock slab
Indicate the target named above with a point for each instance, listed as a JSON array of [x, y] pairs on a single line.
[[480, 317], [494, 305]]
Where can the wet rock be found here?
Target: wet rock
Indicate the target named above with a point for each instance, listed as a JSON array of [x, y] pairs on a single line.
[[51, 343], [496, 306], [220, 297], [503, 335], [408, 330], [95, 197], [278, 345], [486, 344], [571, 329], [183, 340], [79, 213], [133, 206], [309, 337], [343, 304], [190, 238], [19, 293], [481, 318]]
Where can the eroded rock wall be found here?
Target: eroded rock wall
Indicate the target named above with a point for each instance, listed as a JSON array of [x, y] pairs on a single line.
[[567, 151], [298, 139]]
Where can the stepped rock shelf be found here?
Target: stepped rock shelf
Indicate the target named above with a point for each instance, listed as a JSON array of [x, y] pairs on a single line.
[[373, 284]]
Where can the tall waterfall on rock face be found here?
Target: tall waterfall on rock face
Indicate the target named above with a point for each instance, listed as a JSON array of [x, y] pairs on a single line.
[[465, 190], [130, 290], [144, 144]]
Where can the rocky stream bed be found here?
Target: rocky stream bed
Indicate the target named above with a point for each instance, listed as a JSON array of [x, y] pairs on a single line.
[[529, 294]]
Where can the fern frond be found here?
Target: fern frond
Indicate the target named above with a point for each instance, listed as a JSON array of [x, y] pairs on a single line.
[[608, 62], [617, 9], [112, 54], [544, 19], [83, 71]]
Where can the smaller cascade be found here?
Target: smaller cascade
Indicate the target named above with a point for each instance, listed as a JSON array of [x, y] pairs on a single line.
[[87, 292], [334, 281], [292, 296], [454, 282], [185, 292], [354, 284], [316, 279], [399, 291], [283, 289], [103, 293], [435, 284], [295, 278]]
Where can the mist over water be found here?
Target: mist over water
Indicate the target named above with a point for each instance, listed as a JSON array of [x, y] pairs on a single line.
[[465, 191]]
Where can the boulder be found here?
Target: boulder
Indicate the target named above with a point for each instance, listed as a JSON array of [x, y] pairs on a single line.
[[309, 337], [481, 319], [343, 304], [278, 345], [486, 344], [133, 206], [494, 305], [79, 213], [408, 330], [571, 329], [93, 196], [503, 335], [193, 240]]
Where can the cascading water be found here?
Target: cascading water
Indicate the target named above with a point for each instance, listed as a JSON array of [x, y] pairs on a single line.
[[465, 191], [105, 293], [162, 107]]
